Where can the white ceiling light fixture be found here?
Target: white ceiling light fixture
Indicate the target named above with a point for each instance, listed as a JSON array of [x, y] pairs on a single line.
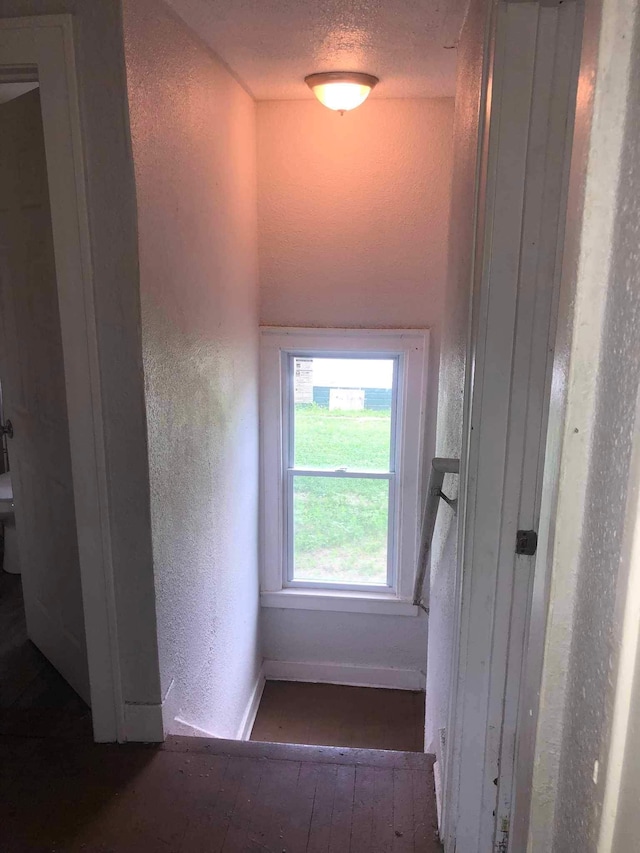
[[341, 90]]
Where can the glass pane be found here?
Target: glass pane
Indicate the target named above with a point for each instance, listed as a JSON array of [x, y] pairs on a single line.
[[340, 529], [342, 413]]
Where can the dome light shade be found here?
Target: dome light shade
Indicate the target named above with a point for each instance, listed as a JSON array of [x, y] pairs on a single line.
[[341, 90]]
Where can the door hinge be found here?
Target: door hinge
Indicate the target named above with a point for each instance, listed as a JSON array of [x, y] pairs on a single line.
[[526, 542]]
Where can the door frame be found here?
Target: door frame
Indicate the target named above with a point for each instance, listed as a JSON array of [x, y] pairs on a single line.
[[524, 153], [42, 48]]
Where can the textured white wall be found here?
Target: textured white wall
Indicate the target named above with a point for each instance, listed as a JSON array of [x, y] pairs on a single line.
[[625, 338], [453, 354], [593, 413], [193, 133], [353, 224], [357, 639], [353, 212], [592, 665], [112, 214]]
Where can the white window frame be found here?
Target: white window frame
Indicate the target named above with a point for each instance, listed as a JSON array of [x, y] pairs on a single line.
[[409, 347], [290, 472]]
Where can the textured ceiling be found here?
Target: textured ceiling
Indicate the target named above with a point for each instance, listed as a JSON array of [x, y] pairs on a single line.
[[271, 45]]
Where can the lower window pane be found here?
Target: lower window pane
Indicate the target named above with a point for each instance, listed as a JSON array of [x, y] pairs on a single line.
[[340, 529]]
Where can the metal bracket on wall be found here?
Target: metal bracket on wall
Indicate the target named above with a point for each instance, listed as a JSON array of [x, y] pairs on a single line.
[[450, 501], [439, 467]]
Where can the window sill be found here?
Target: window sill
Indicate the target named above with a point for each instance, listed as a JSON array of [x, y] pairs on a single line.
[[339, 602]]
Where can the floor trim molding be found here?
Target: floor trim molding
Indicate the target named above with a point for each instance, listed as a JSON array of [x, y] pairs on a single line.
[[249, 716], [440, 748], [143, 723], [184, 729], [338, 673]]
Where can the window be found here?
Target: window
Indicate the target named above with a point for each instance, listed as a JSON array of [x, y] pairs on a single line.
[[340, 471], [342, 423]]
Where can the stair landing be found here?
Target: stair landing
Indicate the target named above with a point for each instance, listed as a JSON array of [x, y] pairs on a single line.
[[198, 794]]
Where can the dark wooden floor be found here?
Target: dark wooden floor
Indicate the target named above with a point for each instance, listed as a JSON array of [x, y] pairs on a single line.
[[61, 793], [335, 715], [28, 682], [193, 795]]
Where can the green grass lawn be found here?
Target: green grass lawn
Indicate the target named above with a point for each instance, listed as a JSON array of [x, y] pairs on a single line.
[[341, 523]]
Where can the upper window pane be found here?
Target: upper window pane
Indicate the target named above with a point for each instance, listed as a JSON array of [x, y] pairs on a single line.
[[342, 413]]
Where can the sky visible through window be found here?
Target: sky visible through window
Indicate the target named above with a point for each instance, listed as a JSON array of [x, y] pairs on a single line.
[[342, 424], [353, 372]]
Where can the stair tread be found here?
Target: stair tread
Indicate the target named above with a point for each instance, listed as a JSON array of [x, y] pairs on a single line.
[[300, 752]]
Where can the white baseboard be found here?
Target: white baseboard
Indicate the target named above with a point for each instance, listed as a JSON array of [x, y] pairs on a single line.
[[338, 673], [437, 773], [249, 716], [143, 723], [437, 779], [170, 707], [151, 722], [182, 727]]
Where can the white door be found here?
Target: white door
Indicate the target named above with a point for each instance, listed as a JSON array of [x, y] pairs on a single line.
[[32, 375]]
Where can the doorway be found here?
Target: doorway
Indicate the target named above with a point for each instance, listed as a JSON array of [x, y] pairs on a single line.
[[41, 48], [43, 659]]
